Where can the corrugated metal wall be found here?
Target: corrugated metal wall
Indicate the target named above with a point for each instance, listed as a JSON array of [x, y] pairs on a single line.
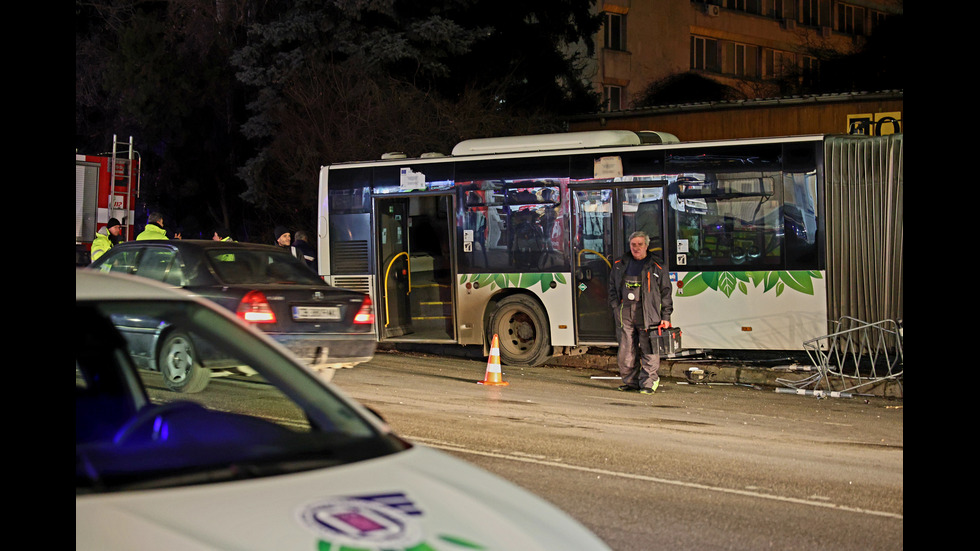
[[865, 218]]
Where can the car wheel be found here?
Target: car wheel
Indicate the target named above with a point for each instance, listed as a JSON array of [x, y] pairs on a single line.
[[522, 331], [177, 362]]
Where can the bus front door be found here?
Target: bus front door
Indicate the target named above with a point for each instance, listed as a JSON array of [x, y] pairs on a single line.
[[603, 220], [415, 268]]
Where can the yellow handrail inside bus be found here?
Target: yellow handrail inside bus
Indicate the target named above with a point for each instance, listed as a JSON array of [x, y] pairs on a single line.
[[597, 253], [388, 269]]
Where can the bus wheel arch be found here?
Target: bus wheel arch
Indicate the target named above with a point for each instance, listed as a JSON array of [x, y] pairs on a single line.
[[521, 325]]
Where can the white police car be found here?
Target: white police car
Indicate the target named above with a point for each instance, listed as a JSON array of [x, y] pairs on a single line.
[[295, 466]]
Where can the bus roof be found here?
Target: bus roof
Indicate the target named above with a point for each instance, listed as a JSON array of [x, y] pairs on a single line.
[[524, 146], [567, 140]]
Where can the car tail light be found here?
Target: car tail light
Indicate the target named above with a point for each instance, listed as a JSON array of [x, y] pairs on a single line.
[[254, 308], [365, 315]]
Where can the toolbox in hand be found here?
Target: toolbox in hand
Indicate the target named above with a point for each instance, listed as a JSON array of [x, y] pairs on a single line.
[[665, 342]]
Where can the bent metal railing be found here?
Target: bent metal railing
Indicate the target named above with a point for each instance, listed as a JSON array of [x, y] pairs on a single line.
[[859, 354]]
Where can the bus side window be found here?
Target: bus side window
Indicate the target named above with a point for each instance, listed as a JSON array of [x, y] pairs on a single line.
[[536, 229], [730, 219], [482, 214], [800, 218]]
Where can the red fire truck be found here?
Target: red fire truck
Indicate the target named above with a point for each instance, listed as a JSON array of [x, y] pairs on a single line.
[[106, 186]]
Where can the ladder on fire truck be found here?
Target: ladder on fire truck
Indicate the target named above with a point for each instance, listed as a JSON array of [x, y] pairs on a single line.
[[121, 203]]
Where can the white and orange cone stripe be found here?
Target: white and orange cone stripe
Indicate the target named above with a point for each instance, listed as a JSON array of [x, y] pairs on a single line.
[[493, 375]]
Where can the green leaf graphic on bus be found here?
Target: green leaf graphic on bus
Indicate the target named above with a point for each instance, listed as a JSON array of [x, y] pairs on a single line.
[[522, 281], [695, 283]]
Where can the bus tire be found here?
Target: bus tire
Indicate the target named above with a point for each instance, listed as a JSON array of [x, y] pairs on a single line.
[[522, 330], [178, 363]]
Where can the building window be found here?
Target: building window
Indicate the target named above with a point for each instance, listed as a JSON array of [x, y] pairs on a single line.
[[810, 69], [612, 98], [750, 6], [778, 64], [615, 31], [810, 13], [741, 60], [704, 54], [730, 58], [876, 19], [774, 8], [850, 19]]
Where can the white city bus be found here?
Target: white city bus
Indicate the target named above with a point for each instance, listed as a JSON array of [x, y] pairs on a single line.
[[766, 240]]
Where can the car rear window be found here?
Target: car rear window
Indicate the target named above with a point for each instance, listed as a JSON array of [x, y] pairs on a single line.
[[235, 266]]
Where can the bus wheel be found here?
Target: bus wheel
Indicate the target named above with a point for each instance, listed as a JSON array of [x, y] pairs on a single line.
[[177, 362], [522, 329]]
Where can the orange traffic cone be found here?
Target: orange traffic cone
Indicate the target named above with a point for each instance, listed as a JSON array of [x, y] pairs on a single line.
[[493, 376]]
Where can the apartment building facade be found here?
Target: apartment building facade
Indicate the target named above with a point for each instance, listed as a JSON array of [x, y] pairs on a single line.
[[745, 44]]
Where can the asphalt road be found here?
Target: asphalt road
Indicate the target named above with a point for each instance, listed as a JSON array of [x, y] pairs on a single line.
[[692, 467]]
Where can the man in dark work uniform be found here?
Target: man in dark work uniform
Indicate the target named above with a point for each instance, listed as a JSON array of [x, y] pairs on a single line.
[[640, 296]]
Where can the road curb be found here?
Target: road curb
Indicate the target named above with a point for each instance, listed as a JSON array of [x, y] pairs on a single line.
[[715, 371], [721, 371]]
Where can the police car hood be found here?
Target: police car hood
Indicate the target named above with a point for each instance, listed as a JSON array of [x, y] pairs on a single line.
[[416, 499]]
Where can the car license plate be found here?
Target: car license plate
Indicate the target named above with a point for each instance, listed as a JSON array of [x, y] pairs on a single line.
[[314, 313]]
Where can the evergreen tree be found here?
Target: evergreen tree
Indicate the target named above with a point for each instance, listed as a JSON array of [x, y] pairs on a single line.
[[220, 114], [342, 80], [160, 71]]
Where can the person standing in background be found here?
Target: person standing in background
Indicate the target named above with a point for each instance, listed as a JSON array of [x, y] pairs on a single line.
[[282, 237], [154, 228], [106, 238], [303, 250]]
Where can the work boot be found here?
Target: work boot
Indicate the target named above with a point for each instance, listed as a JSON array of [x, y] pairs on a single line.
[[652, 389]]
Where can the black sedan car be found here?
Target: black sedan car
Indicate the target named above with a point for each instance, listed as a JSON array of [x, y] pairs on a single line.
[[324, 326]]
